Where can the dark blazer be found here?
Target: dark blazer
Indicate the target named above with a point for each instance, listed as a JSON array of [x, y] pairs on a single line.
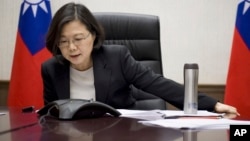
[[114, 71]]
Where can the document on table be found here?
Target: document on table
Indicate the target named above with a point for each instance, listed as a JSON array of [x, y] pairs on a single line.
[[142, 114], [195, 123], [165, 114], [178, 119]]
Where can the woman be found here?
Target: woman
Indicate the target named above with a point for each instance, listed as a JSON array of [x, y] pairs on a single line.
[[84, 68]]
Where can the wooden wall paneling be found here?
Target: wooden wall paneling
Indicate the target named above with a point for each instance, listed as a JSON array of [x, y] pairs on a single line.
[[4, 87], [215, 91]]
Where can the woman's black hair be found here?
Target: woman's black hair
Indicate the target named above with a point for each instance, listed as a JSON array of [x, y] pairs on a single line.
[[67, 13]]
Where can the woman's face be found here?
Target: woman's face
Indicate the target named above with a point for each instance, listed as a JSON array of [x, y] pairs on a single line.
[[76, 44]]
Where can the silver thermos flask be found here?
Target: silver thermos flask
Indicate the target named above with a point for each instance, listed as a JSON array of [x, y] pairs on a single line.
[[191, 72]]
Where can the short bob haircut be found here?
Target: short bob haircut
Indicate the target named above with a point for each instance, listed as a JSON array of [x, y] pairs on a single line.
[[67, 13]]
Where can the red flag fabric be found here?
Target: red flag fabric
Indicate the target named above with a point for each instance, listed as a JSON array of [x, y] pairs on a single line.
[[237, 91], [26, 87]]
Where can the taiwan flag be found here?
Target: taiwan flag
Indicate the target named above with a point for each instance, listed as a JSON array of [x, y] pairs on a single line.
[[238, 80], [26, 87]]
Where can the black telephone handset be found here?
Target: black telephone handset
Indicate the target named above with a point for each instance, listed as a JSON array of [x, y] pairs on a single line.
[[70, 109]]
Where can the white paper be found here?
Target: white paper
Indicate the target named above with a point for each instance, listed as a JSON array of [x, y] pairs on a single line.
[[163, 114], [200, 113], [142, 114], [195, 123], [178, 119]]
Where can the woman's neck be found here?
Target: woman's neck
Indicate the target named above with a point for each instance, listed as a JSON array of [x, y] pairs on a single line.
[[84, 66]]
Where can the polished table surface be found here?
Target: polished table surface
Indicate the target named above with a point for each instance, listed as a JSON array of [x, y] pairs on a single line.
[[18, 126]]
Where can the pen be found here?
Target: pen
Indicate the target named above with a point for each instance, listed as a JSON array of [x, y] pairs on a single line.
[[193, 117]]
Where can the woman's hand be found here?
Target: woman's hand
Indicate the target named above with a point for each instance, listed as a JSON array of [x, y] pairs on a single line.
[[230, 111]]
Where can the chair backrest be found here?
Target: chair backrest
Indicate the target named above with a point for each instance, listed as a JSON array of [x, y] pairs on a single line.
[[141, 34]]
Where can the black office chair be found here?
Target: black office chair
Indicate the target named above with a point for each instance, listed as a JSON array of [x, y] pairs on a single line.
[[141, 34]]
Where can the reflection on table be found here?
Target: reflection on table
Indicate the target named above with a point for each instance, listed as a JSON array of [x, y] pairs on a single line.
[[27, 127]]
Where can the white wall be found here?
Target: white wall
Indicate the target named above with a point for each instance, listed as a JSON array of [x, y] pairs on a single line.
[[192, 31]]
